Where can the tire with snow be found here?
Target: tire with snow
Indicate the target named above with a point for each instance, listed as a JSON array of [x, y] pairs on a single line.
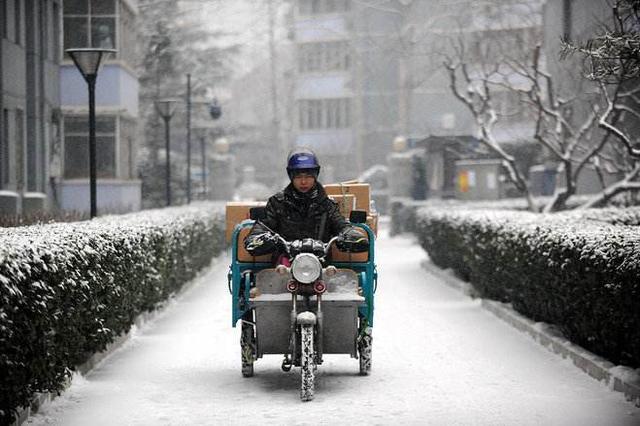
[[307, 363], [247, 349], [365, 346]]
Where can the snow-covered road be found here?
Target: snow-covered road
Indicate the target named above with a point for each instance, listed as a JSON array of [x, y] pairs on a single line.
[[438, 358]]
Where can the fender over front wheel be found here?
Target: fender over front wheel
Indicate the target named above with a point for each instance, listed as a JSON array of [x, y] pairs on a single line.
[[307, 363]]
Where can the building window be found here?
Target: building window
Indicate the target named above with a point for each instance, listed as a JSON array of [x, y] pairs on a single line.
[[566, 19], [56, 33], [317, 7], [76, 147], [19, 141], [90, 23], [128, 130], [4, 150], [18, 21], [323, 57], [3, 19], [314, 114], [45, 19]]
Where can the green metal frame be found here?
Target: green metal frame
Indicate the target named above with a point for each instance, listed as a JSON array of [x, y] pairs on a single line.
[[240, 276]]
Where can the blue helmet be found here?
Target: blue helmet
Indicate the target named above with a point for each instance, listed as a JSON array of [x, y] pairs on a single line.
[[302, 159]]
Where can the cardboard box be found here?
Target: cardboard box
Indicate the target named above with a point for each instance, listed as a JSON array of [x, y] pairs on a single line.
[[346, 203], [372, 222], [362, 192], [243, 255], [236, 212], [343, 256]]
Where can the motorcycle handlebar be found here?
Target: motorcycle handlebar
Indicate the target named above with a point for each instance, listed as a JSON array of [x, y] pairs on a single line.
[[291, 245], [288, 244]]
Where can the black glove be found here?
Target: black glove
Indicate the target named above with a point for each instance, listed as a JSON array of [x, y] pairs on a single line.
[[353, 240], [260, 244]]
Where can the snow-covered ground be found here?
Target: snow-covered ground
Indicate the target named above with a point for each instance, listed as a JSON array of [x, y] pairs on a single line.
[[438, 358]]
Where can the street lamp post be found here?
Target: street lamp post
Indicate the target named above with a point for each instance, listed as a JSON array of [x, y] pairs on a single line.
[[215, 112], [203, 151], [188, 138], [202, 134], [166, 108], [88, 61]]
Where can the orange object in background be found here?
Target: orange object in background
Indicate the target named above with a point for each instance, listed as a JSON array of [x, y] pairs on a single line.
[[463, 181]]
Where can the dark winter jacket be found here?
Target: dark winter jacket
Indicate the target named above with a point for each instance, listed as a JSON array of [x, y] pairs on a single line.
[[296, 215]]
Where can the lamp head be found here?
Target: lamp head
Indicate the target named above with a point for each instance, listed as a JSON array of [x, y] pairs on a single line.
[[215, 111], [166, 107], [88, 60]]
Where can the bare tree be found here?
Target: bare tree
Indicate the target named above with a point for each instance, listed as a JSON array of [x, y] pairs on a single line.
[[569, 141], [479, 101], [479, 74], [173, 41], [572, 140], [612, 61]]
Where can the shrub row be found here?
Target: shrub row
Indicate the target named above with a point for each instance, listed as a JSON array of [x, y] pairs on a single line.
[[576, 269], [629, 216], [403, 209], [67, 290]]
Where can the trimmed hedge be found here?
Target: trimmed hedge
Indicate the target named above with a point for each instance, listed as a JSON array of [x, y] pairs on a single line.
[[403, 210], [629, 216], [576, 269], [68, 290]]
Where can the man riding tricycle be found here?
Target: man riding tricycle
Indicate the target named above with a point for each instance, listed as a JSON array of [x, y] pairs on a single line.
[[303, 278]]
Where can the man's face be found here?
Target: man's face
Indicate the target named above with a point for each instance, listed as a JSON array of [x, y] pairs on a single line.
[[303, 182]]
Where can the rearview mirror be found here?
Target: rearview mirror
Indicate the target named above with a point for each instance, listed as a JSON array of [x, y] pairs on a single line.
[[358, 216]]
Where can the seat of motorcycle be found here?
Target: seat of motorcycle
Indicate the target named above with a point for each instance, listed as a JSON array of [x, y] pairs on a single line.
[[243, 255]]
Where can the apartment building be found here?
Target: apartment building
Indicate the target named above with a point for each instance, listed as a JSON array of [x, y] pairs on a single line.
[[368, 72], [44, 161], [30, 120], [324, 83]]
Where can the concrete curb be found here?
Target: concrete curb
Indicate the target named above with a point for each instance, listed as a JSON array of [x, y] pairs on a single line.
[[618, 378], [41, 399]]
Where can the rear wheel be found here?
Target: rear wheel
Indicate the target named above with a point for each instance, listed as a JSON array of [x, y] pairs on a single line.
[[365, 345], [247, 348], [307, 363]]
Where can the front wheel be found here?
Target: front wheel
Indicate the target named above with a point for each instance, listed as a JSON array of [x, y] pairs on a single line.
[[247, 348], [307, 363], [365, 346]]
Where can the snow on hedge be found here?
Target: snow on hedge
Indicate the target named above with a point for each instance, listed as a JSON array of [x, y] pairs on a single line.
[[69, 289], [578, 269]]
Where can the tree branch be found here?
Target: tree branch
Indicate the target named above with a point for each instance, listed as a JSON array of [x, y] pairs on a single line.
[[624, 185], [621, 135]]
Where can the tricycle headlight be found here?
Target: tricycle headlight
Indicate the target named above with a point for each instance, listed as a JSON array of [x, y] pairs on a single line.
[[306, 268]]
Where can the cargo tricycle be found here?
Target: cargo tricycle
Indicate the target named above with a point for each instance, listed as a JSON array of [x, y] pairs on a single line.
[[318, 301]]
